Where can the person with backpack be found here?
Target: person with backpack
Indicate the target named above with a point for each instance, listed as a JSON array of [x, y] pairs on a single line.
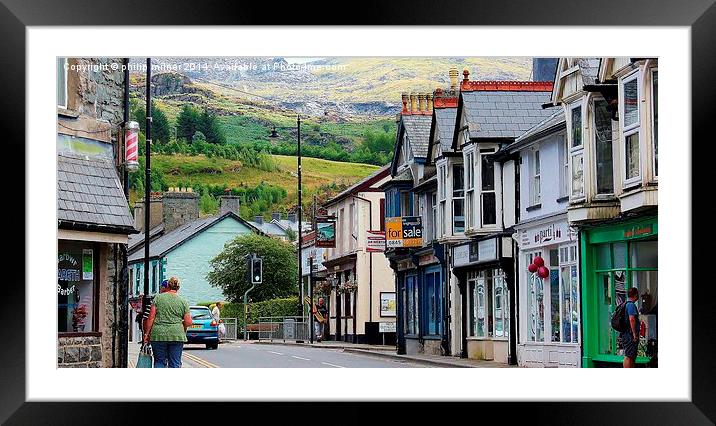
[[629, 336]]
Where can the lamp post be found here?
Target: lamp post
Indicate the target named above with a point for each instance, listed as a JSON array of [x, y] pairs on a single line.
[[299, 215], [147, 190]]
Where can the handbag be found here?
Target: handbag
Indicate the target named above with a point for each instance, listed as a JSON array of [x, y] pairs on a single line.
[[222, 329], [145, 359]]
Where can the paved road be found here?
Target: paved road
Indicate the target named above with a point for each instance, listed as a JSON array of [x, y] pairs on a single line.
[[252, 355]]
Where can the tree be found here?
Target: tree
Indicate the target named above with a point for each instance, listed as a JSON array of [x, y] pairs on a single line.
[[187, 122], [161, 131], [209, 126], [198, 137], [280, 268]]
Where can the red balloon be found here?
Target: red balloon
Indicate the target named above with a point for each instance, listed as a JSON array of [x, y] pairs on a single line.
[[543, 272], [538, 261], [532, 268]]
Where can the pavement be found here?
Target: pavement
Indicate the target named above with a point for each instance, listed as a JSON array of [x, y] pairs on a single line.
[[188, 359]]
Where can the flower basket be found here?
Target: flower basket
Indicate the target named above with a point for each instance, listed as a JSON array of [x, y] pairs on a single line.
[[323, 288], [349, 287]]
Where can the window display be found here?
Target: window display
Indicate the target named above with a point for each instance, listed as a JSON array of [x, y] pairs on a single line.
[[76, 294], [489, 304]]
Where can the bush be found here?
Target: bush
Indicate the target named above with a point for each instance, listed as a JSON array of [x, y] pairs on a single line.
[[283, 307]]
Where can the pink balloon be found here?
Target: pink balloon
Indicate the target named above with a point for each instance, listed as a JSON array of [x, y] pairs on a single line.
[[532, 268], [538, 261], [543, 272]]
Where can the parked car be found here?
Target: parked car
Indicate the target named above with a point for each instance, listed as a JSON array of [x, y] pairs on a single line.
[[204, 329]]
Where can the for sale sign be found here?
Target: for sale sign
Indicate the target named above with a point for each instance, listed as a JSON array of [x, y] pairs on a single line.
[[404, 231]]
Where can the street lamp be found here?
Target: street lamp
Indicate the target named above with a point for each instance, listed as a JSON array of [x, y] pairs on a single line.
[[274, 135]]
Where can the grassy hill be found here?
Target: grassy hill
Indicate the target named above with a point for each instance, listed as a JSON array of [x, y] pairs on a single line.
[[183, 170]]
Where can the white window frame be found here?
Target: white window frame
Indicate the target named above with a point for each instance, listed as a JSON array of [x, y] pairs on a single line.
[[654, 137], [531, 323], [633, 129], [595, 148], [570, 261], [575, 151], [564, 176], [434, 209], [535, 169], [442, 197], [498, 272], [64, 83], [485, 152], [454, 198], [470, 221]]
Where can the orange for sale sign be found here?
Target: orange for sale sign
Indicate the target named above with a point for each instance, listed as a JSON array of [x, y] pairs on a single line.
[[404, 231]]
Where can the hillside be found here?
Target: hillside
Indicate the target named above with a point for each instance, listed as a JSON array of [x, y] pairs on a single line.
[[182, 170]]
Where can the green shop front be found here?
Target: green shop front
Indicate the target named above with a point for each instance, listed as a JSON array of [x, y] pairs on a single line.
[[615, 258]]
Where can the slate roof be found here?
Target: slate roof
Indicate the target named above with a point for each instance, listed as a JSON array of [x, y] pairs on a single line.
[[445, 121], [508, 114], [418, 129], [137, 239], [557, 119], [89, 194], [269, 228], [168, 241], [589, 69]]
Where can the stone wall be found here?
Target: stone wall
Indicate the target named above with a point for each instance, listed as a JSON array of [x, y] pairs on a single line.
[[95, 88], [108, 304], [179, 208], [79, 352]]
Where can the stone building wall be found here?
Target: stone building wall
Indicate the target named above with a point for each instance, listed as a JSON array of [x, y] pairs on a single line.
[[179, 208], [79, 352], [95, 88]]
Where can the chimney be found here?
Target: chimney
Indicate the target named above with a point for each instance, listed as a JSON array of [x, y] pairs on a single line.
[[421, 102], [276, 216], [179, 208], [453, 78], [155, 212], [465, 74], [413, 103], [292, 218], [228, 203], [259, 220], [429, 97], [404, 98]]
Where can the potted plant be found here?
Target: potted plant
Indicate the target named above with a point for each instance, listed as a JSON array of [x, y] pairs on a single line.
[[79, 314], [349, 286]]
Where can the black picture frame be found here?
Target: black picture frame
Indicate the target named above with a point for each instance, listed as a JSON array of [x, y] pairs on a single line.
[[699, 15]]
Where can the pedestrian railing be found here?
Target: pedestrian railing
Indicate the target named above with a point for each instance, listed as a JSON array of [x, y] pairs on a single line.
[[232, 328], [283, 328]]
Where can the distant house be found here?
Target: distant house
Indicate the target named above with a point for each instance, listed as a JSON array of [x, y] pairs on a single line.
[[183, 245], [279, 228]]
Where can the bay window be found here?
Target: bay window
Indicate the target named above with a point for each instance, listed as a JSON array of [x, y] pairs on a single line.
[[458, 199], [576, 151], [535, 177], [487, 186], [630, 122], [470, 190], [603, 148], [655, 118]]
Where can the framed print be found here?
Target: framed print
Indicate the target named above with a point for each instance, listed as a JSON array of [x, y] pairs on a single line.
[[530, 138]]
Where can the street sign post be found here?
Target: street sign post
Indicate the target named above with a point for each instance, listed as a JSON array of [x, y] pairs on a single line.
[[254, 267]]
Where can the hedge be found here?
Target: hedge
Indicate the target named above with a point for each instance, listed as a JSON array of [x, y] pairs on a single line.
[[287, 307]]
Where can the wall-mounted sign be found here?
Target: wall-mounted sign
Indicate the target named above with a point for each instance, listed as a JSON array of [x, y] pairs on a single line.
[[406, 231], [375, 241], [386, 327], [486, 250], [461, 255], [326, 231], [638, 231], [551, 233], [387, 304], [475, 252]]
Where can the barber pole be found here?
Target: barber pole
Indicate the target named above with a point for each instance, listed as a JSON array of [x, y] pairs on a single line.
[[131, 146]]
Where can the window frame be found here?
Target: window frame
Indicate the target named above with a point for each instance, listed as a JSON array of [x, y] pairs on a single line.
[[484, 152], [469, 204], [455, 198], [576, 151], [595, 149], [632, 129], [535, 169], [64, 83], [654, 124], [564, 176]]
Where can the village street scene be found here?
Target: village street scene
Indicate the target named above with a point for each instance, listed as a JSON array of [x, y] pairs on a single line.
[[378, 212]]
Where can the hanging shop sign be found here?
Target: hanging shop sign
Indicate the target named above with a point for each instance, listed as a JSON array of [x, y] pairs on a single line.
[[326, 231], [406, 231], [375, 241], [551, 233]]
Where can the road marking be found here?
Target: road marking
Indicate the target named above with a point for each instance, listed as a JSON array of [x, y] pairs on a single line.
[[200, 361], [277, 353], [333, 365], [298, 357]]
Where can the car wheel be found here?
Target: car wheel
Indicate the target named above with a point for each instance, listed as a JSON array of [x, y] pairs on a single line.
[[215, 346], [208, 346]]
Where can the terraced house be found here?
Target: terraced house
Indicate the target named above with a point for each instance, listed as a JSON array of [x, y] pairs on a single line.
[[611, 108]]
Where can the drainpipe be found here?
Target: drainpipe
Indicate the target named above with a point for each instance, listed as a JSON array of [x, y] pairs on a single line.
[[370, 280]]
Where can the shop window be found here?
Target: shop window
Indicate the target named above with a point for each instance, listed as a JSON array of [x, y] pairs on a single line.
[[411, 309], [488, 304], [535, 303], [500, 304], [433, 303], [568, 295], [555, 318], [603, 151], [458, 199], [77, 279], [61, 82]]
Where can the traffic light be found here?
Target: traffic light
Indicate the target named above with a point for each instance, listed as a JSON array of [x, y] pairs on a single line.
[[256, 270]]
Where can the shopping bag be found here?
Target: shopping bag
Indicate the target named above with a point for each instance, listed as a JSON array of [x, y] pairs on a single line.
[[145, 357], [222, 329]]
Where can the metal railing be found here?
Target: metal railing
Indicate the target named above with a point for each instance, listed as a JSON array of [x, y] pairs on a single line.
[[283, 328], [232, 328]]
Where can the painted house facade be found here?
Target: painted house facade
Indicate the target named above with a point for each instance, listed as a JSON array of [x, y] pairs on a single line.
[[611, 108], [358, 277]]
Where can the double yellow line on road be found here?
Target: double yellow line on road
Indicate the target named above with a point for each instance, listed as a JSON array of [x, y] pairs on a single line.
[[202, 362]]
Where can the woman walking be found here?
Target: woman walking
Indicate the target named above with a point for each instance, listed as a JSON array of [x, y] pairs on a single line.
[[166, 326]]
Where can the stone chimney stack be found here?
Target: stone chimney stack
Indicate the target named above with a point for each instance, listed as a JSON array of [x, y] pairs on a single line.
[[179, 207], [259, 220], [155, 212], [413, 103], [429, 97], [421, 102], [292, 217], [453, 78], [276, 216], [228, 203], [405, 99]]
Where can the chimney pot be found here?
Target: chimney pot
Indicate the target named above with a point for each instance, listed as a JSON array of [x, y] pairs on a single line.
[[404, 98], [465, 74], [421, 102], [453, 78], [413, 103], [429, 97]]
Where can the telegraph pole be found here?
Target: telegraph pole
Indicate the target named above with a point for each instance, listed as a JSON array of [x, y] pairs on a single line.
[[147, 189]]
